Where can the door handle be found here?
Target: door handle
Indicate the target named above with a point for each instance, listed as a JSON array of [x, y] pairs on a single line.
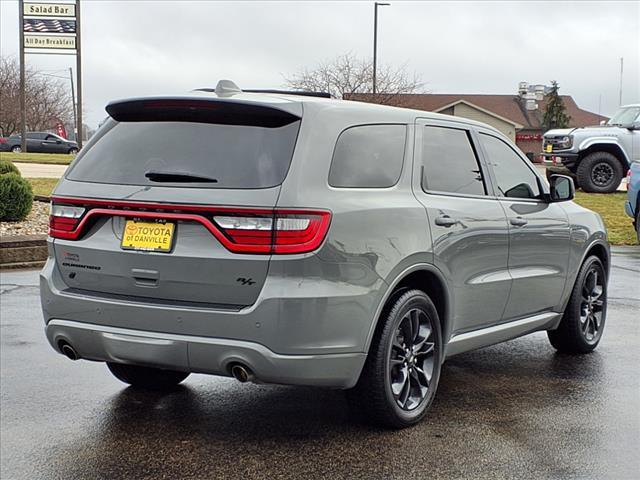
[[518, 221], [445, 221]]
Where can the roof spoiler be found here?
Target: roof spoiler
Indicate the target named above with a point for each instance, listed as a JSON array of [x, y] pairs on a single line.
[[199, 110]]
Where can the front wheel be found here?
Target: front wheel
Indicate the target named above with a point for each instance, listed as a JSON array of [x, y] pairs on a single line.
[[399, 380], [16, 149], [599, 172], [73, 151], [146, 377], [582, 324]]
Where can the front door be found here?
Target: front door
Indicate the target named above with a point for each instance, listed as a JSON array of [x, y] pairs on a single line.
[[468, 228], [539, 238]]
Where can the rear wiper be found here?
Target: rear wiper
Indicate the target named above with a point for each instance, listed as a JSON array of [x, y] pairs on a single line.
[[179, 177]]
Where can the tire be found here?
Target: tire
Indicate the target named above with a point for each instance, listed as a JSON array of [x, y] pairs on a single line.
[[583, 322], [16, 149], [146, 377], [72, 151], [395, 389], [599, 172]]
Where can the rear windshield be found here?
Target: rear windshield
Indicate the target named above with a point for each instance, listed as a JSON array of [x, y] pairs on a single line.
[[169, 153]]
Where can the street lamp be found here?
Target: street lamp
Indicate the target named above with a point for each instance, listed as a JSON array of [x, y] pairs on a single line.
[[375, 39]]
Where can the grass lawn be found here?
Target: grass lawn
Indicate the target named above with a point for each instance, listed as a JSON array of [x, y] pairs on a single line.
[[56, 158], [43, 186], [610, 206]]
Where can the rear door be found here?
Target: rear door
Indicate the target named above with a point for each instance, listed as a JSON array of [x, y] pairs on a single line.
[[468, 227], [34, 142], [539, 235], [174, 203]]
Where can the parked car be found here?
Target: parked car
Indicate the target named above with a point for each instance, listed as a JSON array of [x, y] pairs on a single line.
[[597, 157], [632, 205], [312, 241], [39, 142]]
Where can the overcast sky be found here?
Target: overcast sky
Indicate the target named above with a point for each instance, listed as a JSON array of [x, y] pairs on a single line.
[[152, 47]]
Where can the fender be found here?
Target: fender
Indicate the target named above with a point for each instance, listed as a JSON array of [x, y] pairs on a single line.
[[594, 141], [571, 281], [391, 287]]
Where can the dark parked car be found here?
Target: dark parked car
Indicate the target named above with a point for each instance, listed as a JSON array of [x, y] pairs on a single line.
[[39, 142]]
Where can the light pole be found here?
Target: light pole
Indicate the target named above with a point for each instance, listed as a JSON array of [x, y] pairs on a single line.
[[375, 39]]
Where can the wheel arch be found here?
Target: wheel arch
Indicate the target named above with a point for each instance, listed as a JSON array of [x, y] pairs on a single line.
[[425, 277], [609, 147]]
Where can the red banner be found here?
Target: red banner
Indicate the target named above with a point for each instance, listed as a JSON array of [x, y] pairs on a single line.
[[60, 130], [523, 137]]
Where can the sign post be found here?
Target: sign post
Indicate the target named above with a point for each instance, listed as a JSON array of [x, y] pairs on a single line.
[[23, 103], [53, 29]]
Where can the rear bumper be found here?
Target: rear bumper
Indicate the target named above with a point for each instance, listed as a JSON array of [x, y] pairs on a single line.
[[204, 355]]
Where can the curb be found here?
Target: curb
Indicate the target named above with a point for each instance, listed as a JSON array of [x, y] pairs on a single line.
[[23, 251]]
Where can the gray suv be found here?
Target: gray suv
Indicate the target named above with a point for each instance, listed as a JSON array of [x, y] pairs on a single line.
[[310, 241]]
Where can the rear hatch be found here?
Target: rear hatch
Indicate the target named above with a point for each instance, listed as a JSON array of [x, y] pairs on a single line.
[[173, 202]]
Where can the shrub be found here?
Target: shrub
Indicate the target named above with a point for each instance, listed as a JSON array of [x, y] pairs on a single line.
[[7, 166], [16, 197]]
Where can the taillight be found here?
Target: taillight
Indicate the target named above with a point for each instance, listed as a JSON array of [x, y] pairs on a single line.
[[3, 140], [257, 231], [64, 219], [280, 232]]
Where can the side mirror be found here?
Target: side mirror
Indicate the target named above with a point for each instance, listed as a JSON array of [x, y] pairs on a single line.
[[561, 188], [58, 142]]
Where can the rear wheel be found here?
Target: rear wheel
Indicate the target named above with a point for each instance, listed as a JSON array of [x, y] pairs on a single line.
[[583, 322], [146, 377], [599, 172], [400, 377], [16, 149]]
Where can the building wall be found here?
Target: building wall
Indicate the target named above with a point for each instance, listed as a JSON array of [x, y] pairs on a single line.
[[466, 111]]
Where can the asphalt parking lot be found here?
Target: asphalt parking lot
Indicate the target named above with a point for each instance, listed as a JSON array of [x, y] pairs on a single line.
[[516, 410]]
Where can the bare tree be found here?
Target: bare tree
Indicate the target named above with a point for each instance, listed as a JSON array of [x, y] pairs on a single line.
[[47, 99], [348, 74]]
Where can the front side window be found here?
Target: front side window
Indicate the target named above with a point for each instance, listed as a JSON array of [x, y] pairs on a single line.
[[514, 179], [368, 156], [449, 162]]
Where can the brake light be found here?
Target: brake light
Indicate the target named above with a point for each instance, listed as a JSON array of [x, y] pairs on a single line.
[[64, 219], [281, 232]]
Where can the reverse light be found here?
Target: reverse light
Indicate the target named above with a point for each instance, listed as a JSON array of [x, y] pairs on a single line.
[[64, 219]]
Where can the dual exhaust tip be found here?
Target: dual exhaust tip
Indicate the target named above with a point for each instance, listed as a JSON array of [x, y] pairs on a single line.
[[238, 371]]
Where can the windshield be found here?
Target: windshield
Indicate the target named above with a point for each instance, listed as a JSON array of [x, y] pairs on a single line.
[[625, 116]]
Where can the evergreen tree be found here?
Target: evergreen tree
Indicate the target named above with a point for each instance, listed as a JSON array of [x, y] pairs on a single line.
[[555, 115]]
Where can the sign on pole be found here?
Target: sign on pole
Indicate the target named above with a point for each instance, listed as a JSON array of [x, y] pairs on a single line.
[[54, 29]]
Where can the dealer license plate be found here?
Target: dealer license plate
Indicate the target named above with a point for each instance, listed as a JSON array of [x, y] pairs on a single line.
[[549, 148], [148, 236]]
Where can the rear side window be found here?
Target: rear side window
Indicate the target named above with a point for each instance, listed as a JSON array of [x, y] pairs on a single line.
[[368, 156], [179, 153], [449, 162]]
